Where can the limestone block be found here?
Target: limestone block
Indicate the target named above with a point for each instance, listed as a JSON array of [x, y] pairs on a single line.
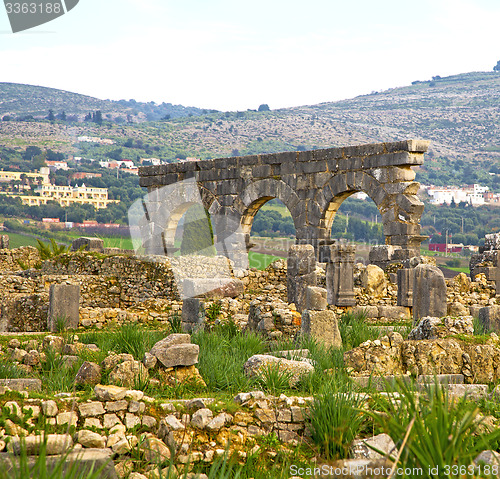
[[429, 292], [374, 281], [257, 365], [489, 316], [64, 304], [315, 298], [88, 244], [322, 326]]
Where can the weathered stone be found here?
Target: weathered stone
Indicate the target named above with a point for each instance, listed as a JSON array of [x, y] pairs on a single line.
[[339, 274], [109, 392], [374, 281], [110, 362], [323, 327], [219, 421], [128, 373], [88, 244], [4, 242], [91, 409], [429, 292], [433, 328], [81, 462], [90, 439], [89, 373], [177, 355], [154, 450], [49, 408], [64, 418], [201, 418], [64, 304], [259, 363], [489, 317], [22, 384], [54, 444], [362, 448], [315, 298]]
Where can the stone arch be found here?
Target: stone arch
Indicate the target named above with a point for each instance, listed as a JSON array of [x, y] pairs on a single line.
[[343, 185], [259, 192]]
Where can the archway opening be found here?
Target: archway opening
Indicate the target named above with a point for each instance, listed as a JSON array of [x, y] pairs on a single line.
[[270, 231], [354, 217], [190, 232]]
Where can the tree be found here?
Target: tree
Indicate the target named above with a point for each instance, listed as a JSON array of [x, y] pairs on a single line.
[[496, 68], [97, 117], [264, 107], [51, 116]]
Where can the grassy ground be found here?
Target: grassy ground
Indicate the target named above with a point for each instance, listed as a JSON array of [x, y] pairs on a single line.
[[260, 261]]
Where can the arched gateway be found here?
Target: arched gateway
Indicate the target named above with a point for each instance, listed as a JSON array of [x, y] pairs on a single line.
[[312, 184]]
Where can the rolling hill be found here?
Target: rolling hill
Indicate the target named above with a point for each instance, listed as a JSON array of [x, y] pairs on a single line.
[[460, 114]]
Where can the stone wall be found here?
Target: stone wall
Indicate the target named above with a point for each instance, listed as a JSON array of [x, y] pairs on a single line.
[[17, 259], [196, 429]]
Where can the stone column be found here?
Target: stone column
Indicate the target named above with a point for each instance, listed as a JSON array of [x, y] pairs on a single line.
[[429, 292], [405, 287], [301, 272], [339, 261]]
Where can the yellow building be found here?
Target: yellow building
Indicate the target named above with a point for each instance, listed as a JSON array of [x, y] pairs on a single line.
[[67, 195], [38, 178]]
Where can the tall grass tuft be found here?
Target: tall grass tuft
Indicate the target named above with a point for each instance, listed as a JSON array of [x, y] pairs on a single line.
[[336, 419], [354, 330], [223, 352], [442, 433]]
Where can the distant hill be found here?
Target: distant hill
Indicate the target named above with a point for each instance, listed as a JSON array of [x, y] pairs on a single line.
[[24, 101], [460, 114]]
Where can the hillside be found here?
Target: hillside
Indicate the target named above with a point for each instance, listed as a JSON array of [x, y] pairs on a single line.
[[459, 114], [25, 101]]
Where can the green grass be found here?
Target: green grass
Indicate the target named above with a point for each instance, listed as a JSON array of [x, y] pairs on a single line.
[[261, 261], [17, 240]]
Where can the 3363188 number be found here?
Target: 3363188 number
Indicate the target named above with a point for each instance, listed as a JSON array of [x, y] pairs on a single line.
[[32, 8]]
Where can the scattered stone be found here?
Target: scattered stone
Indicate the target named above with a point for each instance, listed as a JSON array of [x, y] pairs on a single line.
[[374, 281], [201, 418], [433, 328], [259, 363], [90, 439], [110, 392], [128, 373], [88, 374], [362, 448]]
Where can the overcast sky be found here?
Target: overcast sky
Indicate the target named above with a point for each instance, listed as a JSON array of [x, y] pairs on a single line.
[[234, 55]]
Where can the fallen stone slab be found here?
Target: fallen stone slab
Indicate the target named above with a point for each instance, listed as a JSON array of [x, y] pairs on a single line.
[[54, 444], [22, 384], [259, 363], [82, 461], [381, 383], [362, 448], [178, 355], [441, 379]]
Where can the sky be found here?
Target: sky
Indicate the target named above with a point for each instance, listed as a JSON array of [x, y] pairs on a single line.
[[237, 55]]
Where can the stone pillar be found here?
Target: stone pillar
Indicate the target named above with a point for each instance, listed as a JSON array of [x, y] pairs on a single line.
[[64, 306], [322, 326], [301, 272], [405, 287], [4, 242], [339, 261], [193, 314], [429, 292]]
